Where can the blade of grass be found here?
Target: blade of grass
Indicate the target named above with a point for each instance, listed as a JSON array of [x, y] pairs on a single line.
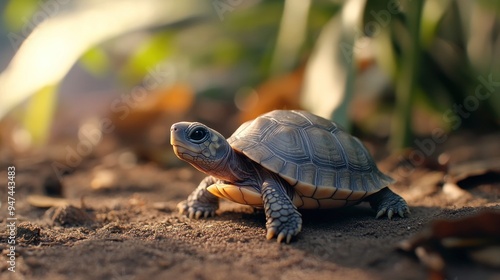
[[330, 72], [291, 36], [401, 134]]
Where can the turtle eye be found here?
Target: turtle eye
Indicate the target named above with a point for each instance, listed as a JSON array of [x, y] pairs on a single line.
[[198, 134]]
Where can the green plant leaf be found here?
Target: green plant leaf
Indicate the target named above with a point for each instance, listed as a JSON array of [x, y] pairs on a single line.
[[153, 50], [95, 61], [17, 14], [39, 113], [407, 80]]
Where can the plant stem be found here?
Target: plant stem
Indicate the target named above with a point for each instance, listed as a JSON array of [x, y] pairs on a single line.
[[402, 134]]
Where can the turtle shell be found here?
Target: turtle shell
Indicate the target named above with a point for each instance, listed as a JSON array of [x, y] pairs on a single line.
[[326, 166]]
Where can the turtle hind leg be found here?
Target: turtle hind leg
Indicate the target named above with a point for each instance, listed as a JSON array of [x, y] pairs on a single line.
[[200, 203], [385, 201]]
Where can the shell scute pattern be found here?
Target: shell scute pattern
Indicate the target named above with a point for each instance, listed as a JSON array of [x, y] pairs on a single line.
[[289, 172], [326, 152], [287, 143]]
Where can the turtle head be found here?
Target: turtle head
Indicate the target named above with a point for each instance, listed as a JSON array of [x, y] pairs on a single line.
[[204, 148]]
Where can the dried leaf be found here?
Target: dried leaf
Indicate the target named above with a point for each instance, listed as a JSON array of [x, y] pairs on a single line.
[[475, 236], [143, 126], [279, 93], [468, 169], [103, 179], [42, 201]]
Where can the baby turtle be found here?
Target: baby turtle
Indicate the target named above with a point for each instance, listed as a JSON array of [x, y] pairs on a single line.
[[282, 161]]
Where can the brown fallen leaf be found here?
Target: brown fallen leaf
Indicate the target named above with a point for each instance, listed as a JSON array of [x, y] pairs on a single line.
[[278, 93], [461, 172], [143, 125], [476, 237], [42, 201], [103, 179]]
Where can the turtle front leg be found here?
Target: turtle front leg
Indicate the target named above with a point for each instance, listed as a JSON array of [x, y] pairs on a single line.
[[200, 202], [282, 217]]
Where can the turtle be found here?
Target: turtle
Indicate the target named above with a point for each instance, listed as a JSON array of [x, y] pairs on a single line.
[[282, 161]]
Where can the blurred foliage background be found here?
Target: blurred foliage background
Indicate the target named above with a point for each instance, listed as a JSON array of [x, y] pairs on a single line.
[[75, 70]]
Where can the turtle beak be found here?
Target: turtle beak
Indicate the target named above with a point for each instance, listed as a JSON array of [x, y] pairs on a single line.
[[173, 134], [176, 137], [176, 133]]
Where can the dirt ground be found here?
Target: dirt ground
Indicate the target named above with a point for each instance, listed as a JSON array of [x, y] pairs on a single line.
[[123, 224]]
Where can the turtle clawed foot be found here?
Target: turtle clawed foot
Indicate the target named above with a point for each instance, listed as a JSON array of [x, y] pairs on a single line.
[[284, 231], [387, 202], [283, 235], [401, 210], [196, 210]]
